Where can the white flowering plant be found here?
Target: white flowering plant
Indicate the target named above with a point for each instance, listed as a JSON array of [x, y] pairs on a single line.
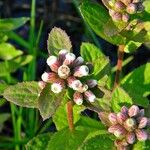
[[74, 84]]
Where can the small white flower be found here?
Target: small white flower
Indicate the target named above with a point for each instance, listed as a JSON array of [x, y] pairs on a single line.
[[56, 88], [90, 96], [63, 71], [81, 71], [41, 84], [76, 85], [45, 76], [70, 57]]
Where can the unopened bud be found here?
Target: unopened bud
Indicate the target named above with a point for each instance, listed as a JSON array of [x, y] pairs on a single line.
[[117, 16], [133, 111], [111, 12], [81, 71], [90, 96], [143, 122], [141, 135], [132, 8], [130, 124], [120, 132], [63, 71], [41, 84], [136, 1], [49, 77], [121, 142], [113, 128], [124, 110], [126, 2], [121, 117], [79, 61], [112, 118], [130, 137], [70, 57], [62, 54], [58, 86], [83, 88], [119, 6], [92, 83], [125, 17], [54, 63], [78, 98]]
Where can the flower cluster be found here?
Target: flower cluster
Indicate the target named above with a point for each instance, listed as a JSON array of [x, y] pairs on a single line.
[[128, 126], [66, 71], [120, 10]]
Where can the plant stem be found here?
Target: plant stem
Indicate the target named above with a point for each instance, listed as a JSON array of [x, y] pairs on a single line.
[[119, 65], [70, 115]]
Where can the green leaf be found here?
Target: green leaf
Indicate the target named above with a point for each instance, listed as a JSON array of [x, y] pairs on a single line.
[[3, 117], [49, 102], [39, 142], [12, 23], [120, 98], [3, 37], [99, 142], [60, 116], [7, 51], [99, 20], [24, 94], [131, 46], [11, 66], [57, 40], [3, 86], [67, 140], [142, 145], [137, 83]]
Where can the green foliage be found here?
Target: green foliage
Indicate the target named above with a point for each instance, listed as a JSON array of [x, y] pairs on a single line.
[[3, 117], [3, 86], [57, 40], [39, 142], [24, 94], [60, 116], [8, 52], [137, 83], [49, 102], [12, 23]]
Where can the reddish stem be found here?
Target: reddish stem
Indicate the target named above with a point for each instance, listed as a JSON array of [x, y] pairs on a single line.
[[119, 65], [70, 115]]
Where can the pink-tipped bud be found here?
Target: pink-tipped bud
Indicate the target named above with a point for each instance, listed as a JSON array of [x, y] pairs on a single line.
[[112, 118], [130, 137], [124, 110], [143, 122], [141, 135], [120, 132], [132, 8], [62, 54], [121, 117], [111, 12], [41, 84], [63, 71], [130, 124], [113, 128], [117, 17], [126, 2], [78, 98], [83, 88], [70, 57], [58, 86], [119, 6], [49, 77], [92, 83], [54, 63], [90, 96], [133, 111], [81, 71], [125, 17], [121, 142], [141, 113], [79, 61]]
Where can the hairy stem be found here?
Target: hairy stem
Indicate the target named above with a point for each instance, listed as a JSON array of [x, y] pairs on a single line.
[[119, 65], [70, 115]]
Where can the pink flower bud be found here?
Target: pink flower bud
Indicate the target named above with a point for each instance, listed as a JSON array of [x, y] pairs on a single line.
[[126, 2], [124, 110], [120, 132], [49, 77], [63, 71], [119, 6], [79, 61], [125, 17], [117, 17], [62, 54], [132, 8], [90, 96], [53, 62], [111, 12], [130, 137], [141, 135], [121, 142], [78, 98], [141, 113], [41, 84], [121, 117], [113, 128], [133, 111], [130, 124], [112, 118], [58, 86], [81, 71], [92, 83], [143, 122], [70, 57]]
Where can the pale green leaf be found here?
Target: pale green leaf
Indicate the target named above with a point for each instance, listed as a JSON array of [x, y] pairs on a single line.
[[24, 94], [57, 40]]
